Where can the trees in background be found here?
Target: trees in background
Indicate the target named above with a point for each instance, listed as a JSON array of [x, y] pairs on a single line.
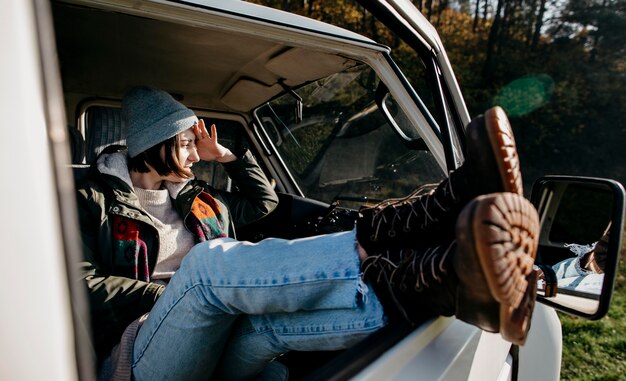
[[557, 66]]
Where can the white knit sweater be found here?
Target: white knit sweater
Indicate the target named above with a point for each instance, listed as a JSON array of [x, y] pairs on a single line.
[[174, 240]]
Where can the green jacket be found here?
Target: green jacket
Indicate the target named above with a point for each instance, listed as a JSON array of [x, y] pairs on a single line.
[[115, 298]]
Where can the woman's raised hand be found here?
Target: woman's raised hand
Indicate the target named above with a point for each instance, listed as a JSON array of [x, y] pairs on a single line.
[[207, 145]]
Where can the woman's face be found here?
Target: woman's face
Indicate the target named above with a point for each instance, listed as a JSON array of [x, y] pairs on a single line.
[[187, 155]]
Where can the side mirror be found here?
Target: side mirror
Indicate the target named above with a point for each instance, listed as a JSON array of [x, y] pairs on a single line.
[[582, 222]]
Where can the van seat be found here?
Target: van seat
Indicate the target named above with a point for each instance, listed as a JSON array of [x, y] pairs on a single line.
[[104, 128], [80, 172], [77, 145]]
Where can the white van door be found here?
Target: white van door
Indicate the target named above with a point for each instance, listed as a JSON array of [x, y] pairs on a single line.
[[37, 333]]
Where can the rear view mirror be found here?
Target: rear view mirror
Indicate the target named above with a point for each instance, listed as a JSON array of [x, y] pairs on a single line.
[[582, 222], [397, 119]]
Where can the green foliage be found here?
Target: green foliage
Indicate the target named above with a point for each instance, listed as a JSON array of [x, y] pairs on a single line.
[[597, 350]]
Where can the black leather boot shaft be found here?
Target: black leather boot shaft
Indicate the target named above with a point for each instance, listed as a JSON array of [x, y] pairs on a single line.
[[421, 219], [414, 284]]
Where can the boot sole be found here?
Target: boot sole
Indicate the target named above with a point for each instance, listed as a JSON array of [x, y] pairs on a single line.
[[493, 129], [501, 231], [504, 149]]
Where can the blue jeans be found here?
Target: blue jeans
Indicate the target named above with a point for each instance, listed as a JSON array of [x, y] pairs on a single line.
[[233, 306]]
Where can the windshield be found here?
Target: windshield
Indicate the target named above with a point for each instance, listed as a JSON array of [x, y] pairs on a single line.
[[344, 148]]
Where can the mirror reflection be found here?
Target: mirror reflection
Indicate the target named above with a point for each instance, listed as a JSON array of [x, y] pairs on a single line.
[[574, 242]]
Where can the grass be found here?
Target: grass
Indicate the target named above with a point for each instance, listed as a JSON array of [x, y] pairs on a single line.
[[596, 350]]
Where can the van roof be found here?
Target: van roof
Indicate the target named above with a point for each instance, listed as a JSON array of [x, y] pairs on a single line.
[[275, 16], [217, 54]]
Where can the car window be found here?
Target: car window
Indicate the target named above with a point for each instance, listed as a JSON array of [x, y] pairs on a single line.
[[344, 149]]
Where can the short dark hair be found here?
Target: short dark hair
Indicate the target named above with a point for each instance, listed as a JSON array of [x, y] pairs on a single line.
[[152, 158]]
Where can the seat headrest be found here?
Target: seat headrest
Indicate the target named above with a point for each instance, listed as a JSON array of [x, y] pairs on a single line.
[[104, 128], [77, 145]]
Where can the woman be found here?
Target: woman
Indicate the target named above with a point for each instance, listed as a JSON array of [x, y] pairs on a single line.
[[230, 307]]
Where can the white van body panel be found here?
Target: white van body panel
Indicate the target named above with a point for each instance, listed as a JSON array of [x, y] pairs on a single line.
[[540, 358], [36, 339], [428, 353], [444, 349]]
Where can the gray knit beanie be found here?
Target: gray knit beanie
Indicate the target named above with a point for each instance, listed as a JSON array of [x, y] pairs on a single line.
[[152, 116]]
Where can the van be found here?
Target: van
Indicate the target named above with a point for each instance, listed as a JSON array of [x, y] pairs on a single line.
[[333, 122]]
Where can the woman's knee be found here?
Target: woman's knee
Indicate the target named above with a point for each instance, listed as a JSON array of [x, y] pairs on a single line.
[[207, 259]]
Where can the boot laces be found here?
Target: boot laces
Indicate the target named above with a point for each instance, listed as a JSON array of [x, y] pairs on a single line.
[[381, 262], [405, 271], [425, 266], [449, 191], [380, 211]]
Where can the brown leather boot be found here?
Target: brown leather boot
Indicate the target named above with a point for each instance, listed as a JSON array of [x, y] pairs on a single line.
[[485, 277], [427, 217]]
